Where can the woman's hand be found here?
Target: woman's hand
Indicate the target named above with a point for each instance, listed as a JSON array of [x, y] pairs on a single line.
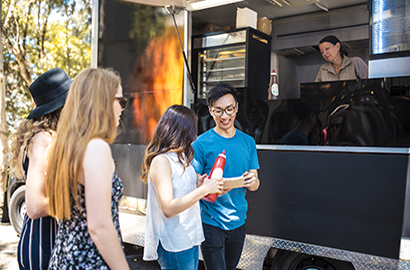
[[213, 185]]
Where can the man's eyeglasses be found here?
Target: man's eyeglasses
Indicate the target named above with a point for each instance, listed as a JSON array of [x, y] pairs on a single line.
[[122, 101], [228, 110]]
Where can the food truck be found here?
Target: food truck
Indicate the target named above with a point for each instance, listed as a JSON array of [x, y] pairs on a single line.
[[339, 202]]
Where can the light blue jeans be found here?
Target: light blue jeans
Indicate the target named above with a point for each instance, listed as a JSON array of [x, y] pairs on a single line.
[[183, 260]]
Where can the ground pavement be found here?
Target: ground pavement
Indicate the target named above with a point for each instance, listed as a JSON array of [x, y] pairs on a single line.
[[8, 252]]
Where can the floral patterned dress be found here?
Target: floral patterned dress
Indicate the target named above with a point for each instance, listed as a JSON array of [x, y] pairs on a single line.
[[74, 248]]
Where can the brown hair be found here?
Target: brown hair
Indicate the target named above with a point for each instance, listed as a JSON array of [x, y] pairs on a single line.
[[176, 130], [21, 138]]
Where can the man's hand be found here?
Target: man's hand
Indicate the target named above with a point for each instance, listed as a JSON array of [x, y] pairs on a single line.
[[251, 180], [200, 179]]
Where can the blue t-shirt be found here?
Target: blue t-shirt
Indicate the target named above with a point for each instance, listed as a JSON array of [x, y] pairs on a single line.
[[228, 212]]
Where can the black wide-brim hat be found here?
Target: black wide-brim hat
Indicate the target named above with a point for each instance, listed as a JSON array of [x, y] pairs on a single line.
[[49, 92]]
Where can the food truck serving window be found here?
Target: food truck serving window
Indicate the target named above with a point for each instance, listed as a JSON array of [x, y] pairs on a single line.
[[370, 112]]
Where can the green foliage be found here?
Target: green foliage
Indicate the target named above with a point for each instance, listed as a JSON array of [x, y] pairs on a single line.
[[38, 35], [150, 23]]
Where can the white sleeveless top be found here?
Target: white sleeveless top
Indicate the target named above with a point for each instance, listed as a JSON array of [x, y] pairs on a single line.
[[180, 232]]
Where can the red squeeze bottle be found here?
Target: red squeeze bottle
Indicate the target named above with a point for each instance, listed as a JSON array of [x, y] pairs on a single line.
[[216, 172]]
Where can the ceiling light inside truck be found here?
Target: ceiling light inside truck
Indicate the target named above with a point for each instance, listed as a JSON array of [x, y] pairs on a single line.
[[297, 3], [192, 5]]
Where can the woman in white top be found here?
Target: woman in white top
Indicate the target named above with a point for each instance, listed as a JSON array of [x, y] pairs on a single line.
[[173, 225]]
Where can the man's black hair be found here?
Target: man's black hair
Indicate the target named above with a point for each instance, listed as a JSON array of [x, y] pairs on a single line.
[[220, 90]]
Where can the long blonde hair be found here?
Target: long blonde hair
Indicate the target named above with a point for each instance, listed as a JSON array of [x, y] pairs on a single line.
[[24, 133], [88, 113]]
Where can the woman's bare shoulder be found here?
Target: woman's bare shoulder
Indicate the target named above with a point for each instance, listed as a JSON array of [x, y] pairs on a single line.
[[160, 161], [39, 143], [98, 153], [97, 143], [160, 158], [98, 149], [43, 138]]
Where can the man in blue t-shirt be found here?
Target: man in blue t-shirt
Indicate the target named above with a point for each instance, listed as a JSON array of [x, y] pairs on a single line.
[[224, 220]]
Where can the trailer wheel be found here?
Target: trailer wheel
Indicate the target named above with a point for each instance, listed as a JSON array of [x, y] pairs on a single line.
[[17, 208], [288, 260]]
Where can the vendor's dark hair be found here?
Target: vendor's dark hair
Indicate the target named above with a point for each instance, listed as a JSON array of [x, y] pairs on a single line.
[[220, 90], [334, 40]]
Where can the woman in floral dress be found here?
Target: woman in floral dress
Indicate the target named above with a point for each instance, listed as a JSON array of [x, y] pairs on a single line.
[[82, 183]]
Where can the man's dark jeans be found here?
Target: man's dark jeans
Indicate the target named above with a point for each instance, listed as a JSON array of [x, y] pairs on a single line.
[[222, 249]]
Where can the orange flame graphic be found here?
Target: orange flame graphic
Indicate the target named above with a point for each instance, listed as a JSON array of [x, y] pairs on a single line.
[[158, 84]]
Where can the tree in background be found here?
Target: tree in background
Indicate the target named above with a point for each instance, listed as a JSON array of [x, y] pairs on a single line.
[[3, 128], [38, 35]]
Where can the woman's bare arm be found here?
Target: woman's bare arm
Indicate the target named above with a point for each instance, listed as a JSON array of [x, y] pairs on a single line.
[[36, 197], [160, 175], [98, 168]]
